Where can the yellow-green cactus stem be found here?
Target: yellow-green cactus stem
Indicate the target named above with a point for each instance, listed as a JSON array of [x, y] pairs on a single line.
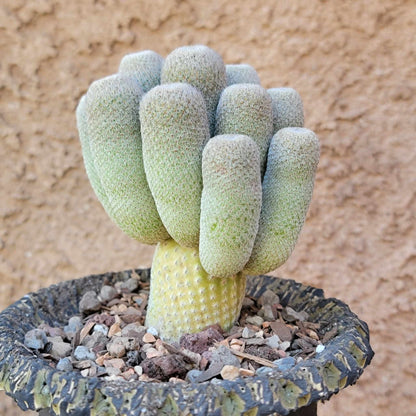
[[247, 109], [287, 108], [200, 67], [113, 130], [145, 66], [287, 192], [184, 298], [241, 74], [175, 130], [230, 204]]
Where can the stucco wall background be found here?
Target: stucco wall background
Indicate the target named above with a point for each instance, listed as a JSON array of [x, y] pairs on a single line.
[[353, 62]]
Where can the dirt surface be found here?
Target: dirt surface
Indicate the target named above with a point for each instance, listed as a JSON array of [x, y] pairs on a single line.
[[354, 64]]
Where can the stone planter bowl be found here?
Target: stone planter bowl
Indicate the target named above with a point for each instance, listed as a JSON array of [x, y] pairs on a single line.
[[35, 385]]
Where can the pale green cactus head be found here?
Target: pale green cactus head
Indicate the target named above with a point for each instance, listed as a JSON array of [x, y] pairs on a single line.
[[195, 155]]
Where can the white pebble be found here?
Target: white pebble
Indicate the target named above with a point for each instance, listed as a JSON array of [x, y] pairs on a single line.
[[319, 348]]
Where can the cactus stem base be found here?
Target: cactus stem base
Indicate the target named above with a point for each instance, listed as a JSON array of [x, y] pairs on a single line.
[[184, 298]]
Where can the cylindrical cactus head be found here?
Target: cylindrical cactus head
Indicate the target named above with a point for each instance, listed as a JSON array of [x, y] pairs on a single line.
[[247, 109], [82, 125], [112, 129], [287, 191], [200, 67], [175, 129], [241, 74], [178, 183], [287, 108], [162, 179], [145, 66], [231, 203]]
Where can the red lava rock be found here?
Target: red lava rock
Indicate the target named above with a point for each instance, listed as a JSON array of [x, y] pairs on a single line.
[[201, 341], [53, 331], [263, 351], [104, 318], [164, 367]]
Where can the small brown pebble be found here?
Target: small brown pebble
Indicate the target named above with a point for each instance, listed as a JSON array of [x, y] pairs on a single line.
[[237, 347], [115, 362], [312, 334], [119, 309], [129, 374], [148, 338], [113, 302], [224, 342], [244, 372], [82, 365], [236, 342], [100, 360], [193, 356], [131, 318], [176, 380], [146, 347], [281, 330], [133, 330], [114, 329], [145, 377], [86, 330], [229, 372], [203, 364], [116, 349], [153, 352]]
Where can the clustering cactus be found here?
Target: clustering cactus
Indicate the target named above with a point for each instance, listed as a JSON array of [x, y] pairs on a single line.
[[197, 157]]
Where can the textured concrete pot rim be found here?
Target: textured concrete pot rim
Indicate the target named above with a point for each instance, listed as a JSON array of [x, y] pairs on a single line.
[[35, 385]]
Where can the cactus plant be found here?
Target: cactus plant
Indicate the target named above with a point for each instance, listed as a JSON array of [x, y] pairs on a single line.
[[195, 156]]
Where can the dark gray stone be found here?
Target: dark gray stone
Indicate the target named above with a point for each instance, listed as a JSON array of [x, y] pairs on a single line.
[[89, 302]]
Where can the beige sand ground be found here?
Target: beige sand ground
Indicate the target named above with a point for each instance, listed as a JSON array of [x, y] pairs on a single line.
[[354, 63]]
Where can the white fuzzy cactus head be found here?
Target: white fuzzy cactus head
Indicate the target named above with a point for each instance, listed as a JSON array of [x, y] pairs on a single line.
[[190, 149]]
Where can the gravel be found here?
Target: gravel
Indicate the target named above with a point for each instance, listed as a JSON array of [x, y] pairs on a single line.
[[109, 340]]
